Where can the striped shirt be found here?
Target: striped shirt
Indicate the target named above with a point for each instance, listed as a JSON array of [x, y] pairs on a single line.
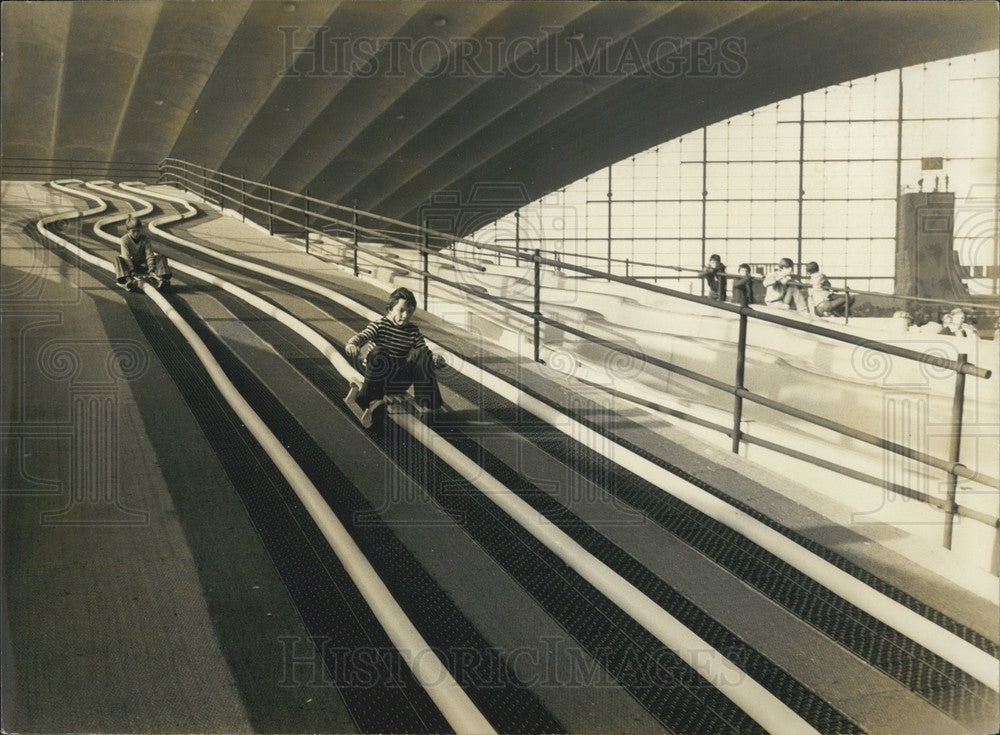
[[398, 340]]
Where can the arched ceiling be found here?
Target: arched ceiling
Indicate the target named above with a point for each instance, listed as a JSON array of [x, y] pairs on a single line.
[[384, 105]]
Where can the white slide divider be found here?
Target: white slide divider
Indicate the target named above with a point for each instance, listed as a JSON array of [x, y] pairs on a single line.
[[444, 691], [974, 661], [762, 706]]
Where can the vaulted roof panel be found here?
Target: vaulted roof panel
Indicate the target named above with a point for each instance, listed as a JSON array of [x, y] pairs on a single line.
[[181, 55]]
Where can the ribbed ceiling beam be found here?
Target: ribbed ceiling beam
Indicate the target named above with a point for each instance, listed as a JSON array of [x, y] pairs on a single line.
[[415, 129], [567, 96], [305, 91], [359, 106], [104, 50], [249, 72], [34, 51], [183, 51]]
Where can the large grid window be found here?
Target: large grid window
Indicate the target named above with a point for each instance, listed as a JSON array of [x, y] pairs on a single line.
[[814, 177]]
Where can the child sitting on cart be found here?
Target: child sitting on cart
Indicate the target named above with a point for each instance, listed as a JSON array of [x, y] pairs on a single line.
[[137, 259], [399, 357]]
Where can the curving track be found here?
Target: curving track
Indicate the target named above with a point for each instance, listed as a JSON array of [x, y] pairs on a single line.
[[514, 565]]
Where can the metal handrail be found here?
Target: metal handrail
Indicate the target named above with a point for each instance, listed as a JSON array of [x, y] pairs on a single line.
[[48, 167], [962, 368], [300, 226], [628, 262]]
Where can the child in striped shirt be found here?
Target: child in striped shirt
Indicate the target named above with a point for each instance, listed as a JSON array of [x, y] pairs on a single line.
[[399, 356]]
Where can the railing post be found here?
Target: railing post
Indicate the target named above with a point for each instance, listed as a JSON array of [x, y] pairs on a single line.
[[626, 268], [538, 304], [243, 198], [995, 560], [305, 219], [741, 361], [355, 221], [610, 190], [954, 447], [847, 306], [270, 218], [425, 259], [517, 237]]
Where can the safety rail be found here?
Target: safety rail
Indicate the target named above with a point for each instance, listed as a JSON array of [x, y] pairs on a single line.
[[46, 169], [250, 198]]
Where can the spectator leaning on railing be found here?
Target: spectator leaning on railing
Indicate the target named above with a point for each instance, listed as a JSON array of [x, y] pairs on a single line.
[[783, 288], [743, 286], [715, 276], [825, 301]]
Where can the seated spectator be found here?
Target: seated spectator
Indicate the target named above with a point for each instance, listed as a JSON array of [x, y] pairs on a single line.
[[783, 288], [826, 301], [903, 321], [743, 286], [715, 276], [928, 325], [954, 323]]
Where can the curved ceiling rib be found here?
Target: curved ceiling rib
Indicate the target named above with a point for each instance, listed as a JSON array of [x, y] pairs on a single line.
[[564, 96], [305, 91], [237, 91], [391, 148], [362, 101], [102, 54], [33, 58], [183, 51]]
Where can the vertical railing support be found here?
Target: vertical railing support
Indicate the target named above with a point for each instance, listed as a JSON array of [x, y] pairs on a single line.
[[954, 448], [704, 204], [426, 263], [305, 219], [243, 198], [847, 306], [355, 222], [995, 559], [536, 338], [741, 361], [270, 209], [517, 236], [610, 194]]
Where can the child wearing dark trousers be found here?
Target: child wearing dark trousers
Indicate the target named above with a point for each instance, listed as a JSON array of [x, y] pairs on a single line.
[[743, 286], [714, 275], [399, 356]]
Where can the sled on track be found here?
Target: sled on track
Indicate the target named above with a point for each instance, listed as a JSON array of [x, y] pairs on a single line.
[[139, 279], [390, 403]]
